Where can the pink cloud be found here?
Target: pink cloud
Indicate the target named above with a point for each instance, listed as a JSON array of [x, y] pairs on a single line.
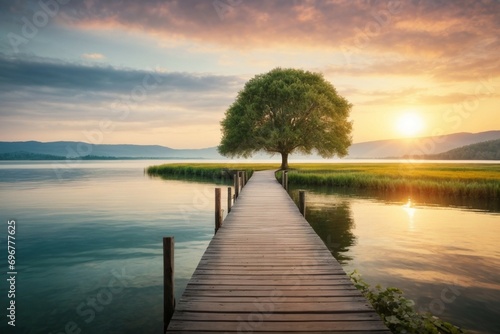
[[449, 39]]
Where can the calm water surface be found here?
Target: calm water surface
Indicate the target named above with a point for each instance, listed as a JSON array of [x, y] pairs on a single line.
[[445, 257], [89, 246]]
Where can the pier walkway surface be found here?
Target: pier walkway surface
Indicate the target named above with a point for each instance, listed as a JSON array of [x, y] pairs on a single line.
[[267, 271]]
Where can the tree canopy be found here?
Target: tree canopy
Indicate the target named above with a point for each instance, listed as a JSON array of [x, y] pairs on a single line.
[[285, 111]]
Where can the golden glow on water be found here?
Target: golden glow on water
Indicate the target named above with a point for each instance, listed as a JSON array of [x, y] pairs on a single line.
[[410, 210], [427, 251], [431, 276]]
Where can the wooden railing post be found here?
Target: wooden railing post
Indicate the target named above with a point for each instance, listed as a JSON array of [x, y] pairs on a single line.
[[236, 185], [218, 210], [302, 202], [286, 180], [168, 281], [229, 199]]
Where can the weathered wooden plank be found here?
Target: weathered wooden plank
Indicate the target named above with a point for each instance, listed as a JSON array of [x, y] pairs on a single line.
[[265, 288], [265, 293], [200, 316], [278, 295], [270, 306], [276, 278], [298, 282], [257, 323], [228, 270]]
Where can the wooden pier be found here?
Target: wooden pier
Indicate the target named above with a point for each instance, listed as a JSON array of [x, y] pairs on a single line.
[[266, 270]]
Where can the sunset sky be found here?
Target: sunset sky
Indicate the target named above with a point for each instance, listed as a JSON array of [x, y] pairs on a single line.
[[164, 72]]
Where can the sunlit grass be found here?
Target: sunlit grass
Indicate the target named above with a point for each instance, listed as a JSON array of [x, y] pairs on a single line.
[[466, 180], [415, 170], [446, 179]]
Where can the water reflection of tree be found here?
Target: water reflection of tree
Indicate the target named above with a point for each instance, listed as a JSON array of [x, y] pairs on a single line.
[[334, 224]]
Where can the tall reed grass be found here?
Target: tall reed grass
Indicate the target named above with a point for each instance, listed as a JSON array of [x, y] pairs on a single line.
[[478, 188], [208, 171]]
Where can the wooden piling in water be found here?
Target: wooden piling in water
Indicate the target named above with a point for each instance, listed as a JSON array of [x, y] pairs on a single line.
[[236, 185], [168, 281], [218, 209], [302, 202]]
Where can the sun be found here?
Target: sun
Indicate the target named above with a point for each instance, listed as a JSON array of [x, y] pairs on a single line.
[[409, 124]]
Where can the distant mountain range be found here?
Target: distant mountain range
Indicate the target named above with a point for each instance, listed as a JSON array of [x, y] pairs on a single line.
[[424, 146], [418, 146], [77, 150], [486, 150]]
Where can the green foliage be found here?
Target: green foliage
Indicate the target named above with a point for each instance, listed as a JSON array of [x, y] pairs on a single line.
[[399, 313], [207, 171], [285, 111]]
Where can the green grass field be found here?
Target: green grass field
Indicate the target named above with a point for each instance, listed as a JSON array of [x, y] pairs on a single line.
[[446, 179]]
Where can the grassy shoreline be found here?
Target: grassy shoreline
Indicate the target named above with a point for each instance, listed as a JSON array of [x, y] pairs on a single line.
[[443, 179], [209, 171]]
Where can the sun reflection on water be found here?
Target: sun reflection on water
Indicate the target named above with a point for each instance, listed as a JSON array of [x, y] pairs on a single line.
[[410, 210]]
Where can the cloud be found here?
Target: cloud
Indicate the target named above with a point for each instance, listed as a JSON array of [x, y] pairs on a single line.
[[53, 74], [471, 65], [423, 26], [456, 39], [93, 56], [449, 40], [386, 97]]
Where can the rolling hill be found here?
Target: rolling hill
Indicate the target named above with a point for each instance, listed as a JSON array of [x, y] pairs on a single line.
[[418, 146], [34, 150], [487, 150]]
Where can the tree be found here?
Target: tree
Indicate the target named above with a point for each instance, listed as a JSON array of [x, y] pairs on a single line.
[[285, 111]]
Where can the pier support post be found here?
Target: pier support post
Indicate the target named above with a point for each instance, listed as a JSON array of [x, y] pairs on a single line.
[[242, 183], [236, 185], [286, 180], [168, 281], [218, 209], [229, 198], [302, 202]]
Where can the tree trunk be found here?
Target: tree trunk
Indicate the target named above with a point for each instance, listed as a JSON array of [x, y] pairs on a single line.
[[284, 161]]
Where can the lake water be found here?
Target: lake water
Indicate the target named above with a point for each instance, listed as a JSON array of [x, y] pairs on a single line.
[[444, 254], [89, 249], [89, 243]]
